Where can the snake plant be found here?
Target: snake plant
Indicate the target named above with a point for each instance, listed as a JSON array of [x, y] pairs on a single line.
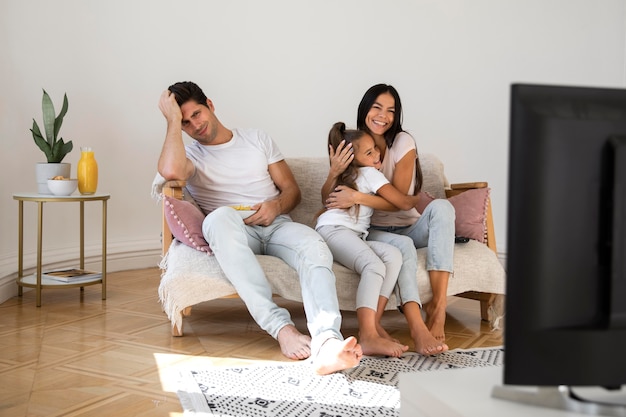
[[52, 146]]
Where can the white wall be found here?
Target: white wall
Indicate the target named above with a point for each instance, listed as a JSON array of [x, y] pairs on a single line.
[[290, 67]]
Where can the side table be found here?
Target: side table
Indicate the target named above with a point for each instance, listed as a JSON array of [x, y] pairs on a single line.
[[37, 281]]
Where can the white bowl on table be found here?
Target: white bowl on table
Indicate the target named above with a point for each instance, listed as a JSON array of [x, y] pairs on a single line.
[[62, 187]]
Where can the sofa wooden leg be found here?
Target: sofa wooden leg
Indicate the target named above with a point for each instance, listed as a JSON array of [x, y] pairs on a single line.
[[177, 332], [485, 299], [186, 312], [484, 309]]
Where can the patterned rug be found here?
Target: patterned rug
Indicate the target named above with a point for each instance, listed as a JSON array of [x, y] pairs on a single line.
[[292, 389]]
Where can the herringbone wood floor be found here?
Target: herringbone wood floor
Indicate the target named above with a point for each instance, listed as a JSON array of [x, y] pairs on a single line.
[[78, 355]]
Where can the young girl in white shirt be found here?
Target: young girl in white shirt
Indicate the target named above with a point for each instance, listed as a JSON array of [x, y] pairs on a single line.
[[345, 232]]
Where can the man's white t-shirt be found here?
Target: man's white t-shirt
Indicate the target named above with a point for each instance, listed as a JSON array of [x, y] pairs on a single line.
[[369, 181], [234, 173]]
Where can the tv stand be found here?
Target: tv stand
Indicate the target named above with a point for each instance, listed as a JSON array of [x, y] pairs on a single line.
[[565, 398]]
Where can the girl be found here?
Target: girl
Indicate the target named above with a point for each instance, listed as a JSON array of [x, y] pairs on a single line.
[[378, 263]]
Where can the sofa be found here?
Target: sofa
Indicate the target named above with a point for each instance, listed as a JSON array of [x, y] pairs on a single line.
[[191, 275]]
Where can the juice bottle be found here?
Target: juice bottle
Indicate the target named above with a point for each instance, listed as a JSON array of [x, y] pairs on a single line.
[[87, 172]]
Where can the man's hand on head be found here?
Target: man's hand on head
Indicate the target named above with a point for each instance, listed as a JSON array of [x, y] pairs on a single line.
[[169, 107], [173, 162]]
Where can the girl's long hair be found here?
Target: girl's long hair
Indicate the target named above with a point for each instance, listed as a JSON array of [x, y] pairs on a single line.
[[337, 134]]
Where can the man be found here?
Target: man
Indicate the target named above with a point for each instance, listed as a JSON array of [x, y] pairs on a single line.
[[230, 169]]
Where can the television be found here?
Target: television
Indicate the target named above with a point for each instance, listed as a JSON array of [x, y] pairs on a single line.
[[565, 330]]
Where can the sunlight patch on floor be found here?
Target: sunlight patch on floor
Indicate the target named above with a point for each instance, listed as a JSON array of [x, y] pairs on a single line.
[[169, 366]]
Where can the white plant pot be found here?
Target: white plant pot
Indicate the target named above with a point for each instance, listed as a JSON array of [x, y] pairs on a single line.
[[45, 170]]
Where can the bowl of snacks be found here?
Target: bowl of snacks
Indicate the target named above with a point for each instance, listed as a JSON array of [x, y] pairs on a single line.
[[62, 186]]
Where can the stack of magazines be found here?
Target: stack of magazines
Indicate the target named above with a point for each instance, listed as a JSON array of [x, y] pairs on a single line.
[[71, 275]]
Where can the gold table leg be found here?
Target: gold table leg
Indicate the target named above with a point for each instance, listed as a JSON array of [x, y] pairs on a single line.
[[104, 249], [20, 247], [39, 249]]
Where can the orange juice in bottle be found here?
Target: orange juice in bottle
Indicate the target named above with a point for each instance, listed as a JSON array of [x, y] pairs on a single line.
[[87, 172]]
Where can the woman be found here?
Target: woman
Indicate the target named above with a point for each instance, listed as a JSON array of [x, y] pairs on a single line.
[[380, 114]]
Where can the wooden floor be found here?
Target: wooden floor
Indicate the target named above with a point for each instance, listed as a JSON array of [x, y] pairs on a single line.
[[78, 355]]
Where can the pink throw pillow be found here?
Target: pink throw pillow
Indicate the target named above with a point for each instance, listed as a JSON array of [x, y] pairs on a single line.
[[185, 222], [471, 211]]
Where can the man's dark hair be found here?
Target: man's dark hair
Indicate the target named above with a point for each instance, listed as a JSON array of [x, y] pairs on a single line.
[[185, 91]]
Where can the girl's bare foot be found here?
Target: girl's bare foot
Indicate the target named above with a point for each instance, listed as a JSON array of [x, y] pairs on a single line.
[[337, 355], [294, 344], [380, 346]]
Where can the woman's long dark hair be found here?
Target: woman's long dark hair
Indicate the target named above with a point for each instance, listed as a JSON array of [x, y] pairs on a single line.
[[368, 100]]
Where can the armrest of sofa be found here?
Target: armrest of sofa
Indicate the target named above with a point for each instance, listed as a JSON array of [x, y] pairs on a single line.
[[487, 300], [172, 189], [458, 188]]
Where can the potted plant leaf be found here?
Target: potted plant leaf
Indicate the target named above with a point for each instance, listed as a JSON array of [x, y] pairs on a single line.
[[53, 146]]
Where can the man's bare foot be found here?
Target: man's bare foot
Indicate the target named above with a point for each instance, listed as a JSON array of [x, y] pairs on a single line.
[[426, 344], [294, 344], [436, 320], [380, 346], [337, 355]]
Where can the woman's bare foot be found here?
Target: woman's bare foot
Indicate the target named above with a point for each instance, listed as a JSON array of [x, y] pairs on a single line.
[[381, 346], [337, 355], [426, 344], [436, 320], [436, 308], [294, 344]]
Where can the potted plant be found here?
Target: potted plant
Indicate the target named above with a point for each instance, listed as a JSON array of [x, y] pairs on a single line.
[[52, 145]]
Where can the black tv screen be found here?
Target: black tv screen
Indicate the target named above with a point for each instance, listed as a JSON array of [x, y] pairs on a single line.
[[566, 237]]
